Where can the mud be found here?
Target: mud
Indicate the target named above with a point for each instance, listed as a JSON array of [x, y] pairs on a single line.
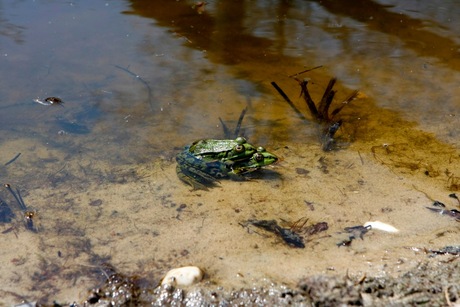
[[426, 284]]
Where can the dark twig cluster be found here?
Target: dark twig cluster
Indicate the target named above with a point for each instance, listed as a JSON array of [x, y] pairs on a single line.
[[320, 112]]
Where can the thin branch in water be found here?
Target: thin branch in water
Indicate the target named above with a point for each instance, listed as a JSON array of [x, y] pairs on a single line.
[[281, 92], [327, 98], [240, 121], [308, 100], [304, 71], [149, 90], [12, 160], [345, 102]]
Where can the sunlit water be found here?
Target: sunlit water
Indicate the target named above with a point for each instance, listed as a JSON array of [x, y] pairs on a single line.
[[141, 79]]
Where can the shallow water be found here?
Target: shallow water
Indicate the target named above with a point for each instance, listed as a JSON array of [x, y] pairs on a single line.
[[141, 79]]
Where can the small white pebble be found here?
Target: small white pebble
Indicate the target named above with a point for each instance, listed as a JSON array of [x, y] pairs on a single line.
[[381, 226], [184, 276]]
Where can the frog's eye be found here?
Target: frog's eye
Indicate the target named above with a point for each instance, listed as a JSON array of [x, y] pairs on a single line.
[[238, 148], [240, 140], [260, 149], [258, 157]]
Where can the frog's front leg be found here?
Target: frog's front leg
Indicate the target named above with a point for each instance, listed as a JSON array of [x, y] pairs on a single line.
[[234, 172]]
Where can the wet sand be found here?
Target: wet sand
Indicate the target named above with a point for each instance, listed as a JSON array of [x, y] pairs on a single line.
[[143, 220]]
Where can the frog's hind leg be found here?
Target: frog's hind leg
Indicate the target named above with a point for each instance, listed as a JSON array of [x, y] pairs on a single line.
[[196, 179]]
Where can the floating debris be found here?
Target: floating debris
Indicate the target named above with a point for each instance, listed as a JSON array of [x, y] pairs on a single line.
[[316, 228], [452, 213], [381, 226], [292, 235], [447, 250], [437, 203], [50, 101], [353, 233], [289, 236], [359, 231]]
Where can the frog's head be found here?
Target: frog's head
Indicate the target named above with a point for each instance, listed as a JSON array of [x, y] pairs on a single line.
[[262, 158], [259, 159], [240, 152]]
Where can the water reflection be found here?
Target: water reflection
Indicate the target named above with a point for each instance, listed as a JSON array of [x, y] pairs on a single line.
[[230, 30], [412, 31], [364, 52], [224, 30]]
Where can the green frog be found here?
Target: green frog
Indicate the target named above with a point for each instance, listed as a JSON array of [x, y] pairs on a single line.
[[206, 161], [222, 150]]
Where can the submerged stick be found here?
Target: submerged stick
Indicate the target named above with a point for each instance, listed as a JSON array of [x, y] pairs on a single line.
[[308, 100], [240, 121], [328, 96], [12, 160], [345, 102], [304, 71], [281, 92], [149, 90]]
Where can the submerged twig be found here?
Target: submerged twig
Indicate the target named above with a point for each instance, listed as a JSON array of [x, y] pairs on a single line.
[[289, 236], [304, 71], [12, 160], [353, 233], [149, 90], [320, 112]]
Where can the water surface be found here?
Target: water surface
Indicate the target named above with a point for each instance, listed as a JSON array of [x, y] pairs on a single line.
[[141, 79]]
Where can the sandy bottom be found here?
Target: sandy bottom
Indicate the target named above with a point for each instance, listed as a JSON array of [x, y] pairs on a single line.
[[143, 221]]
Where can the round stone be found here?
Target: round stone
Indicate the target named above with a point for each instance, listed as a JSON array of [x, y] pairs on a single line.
[[184, 276]]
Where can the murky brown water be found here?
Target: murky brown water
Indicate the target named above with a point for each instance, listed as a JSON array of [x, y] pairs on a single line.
[[141, 79]]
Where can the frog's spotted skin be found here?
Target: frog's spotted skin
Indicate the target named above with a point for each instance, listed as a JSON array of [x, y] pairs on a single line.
[[222, 150], [206, 161]]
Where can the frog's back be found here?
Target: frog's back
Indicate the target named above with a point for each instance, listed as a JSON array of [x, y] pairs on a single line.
[[210, 146]]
